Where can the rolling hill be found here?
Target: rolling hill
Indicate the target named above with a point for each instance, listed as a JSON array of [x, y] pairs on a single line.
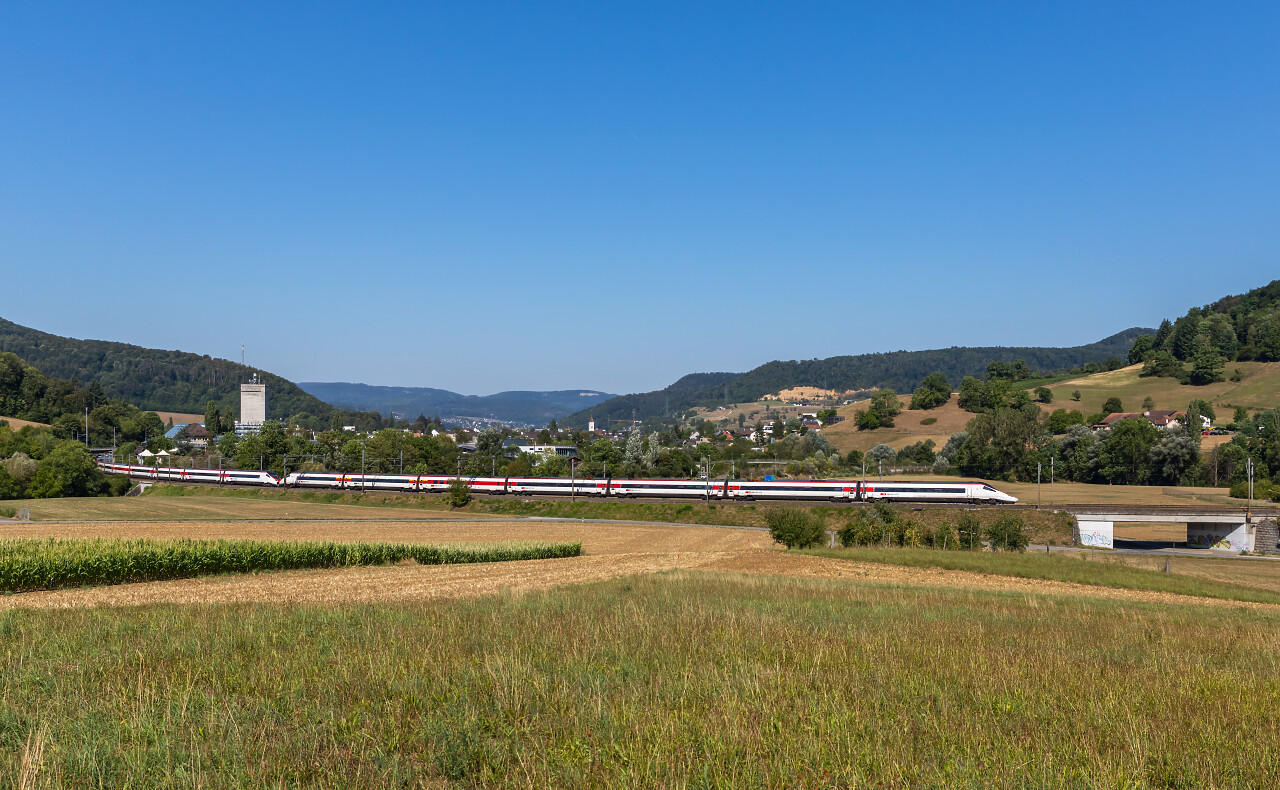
[[520, 407], [900, 370], [153, 379]]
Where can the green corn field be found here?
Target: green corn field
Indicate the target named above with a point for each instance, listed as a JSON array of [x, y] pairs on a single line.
[[27, 565]]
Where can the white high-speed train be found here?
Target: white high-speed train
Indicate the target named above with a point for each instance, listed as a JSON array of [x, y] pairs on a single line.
[[811, 490]]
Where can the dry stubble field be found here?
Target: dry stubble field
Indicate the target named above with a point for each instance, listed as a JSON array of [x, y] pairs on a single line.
[[610, 550]]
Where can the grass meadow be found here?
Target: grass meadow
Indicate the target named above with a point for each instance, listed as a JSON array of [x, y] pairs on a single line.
[[674, 680]]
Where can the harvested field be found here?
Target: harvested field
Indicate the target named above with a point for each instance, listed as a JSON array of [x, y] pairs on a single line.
[[209, 508], [596, 538], [424, 583], [614, 550]]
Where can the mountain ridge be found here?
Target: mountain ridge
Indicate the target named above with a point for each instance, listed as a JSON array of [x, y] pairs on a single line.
[[899, 370], [528, 407]]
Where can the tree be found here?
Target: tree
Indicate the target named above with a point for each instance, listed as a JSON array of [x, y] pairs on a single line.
[[1044, 395], [1162, 334], [1007, 533], [1075, 395], [489, 442], [793, 527], [1000, 440], [1186, 333], [969, 531], [1197, 409], [934, 391], [459, 493], [868, 420], [1142, 345], [66, 471], [1173, 456], [1062, 419], [9, 488], [1207, 366], [651, 450], [1148, 403], [1126, 452], [1112, 405], [213, 419], [881, 453], [634, 453]]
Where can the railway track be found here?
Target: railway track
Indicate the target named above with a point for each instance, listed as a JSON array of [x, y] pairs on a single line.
[[1265, 511]]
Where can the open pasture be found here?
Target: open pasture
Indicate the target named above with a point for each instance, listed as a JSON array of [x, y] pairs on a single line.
[[1257, 389]]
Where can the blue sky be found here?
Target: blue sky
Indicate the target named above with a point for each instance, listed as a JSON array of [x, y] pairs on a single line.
[[482, 196]]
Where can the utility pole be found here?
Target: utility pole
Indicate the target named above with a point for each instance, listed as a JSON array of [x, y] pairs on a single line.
[[1039, 464], [1248, 508], [1051, 477], [86, 426]]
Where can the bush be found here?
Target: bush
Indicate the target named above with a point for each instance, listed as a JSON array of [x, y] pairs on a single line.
[[1008, 533], [1262, 489], [969, 532], [928, 420], [459, 493], [794, 528]]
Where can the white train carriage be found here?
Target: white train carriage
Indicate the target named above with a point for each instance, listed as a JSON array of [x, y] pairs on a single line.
[[181, 475], [932, 491]]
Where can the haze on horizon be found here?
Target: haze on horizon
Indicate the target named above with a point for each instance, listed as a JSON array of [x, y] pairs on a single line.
[[487, 197]]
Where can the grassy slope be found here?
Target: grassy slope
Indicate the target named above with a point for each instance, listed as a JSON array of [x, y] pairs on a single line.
[[1077, 569], [15, 423], [664, 681], [1258, 389]]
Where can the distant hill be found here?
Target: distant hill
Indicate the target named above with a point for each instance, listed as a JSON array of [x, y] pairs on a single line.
[[899, 370], [152, 379], [521, 407]]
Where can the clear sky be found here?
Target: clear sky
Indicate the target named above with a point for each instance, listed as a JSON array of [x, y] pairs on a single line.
[[481, 197]]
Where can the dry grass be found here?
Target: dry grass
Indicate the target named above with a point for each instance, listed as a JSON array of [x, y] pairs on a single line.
[[17, 424], [906, 429], [613, 551], [595, 538], [208, 508], [1257, 389], [179, 418]]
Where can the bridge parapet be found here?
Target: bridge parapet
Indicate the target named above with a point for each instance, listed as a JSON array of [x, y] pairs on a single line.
[[1220, 528]]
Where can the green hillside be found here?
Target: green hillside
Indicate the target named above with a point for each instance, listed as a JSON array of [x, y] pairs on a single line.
[[899, 370], [153, 379]]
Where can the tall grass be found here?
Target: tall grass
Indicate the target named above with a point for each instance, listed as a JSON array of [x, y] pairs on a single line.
[[1059, 566], [679, 681], [27, 565]]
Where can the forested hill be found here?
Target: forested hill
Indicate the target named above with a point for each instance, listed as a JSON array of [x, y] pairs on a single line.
[[152, 379], [899, 370], [530, 408]]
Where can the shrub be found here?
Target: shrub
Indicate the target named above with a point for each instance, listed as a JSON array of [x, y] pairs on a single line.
[[969, 532], [794, 528], [1008, 533], [928, 420], [1262, 489], [944, 538], [459, 493]]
